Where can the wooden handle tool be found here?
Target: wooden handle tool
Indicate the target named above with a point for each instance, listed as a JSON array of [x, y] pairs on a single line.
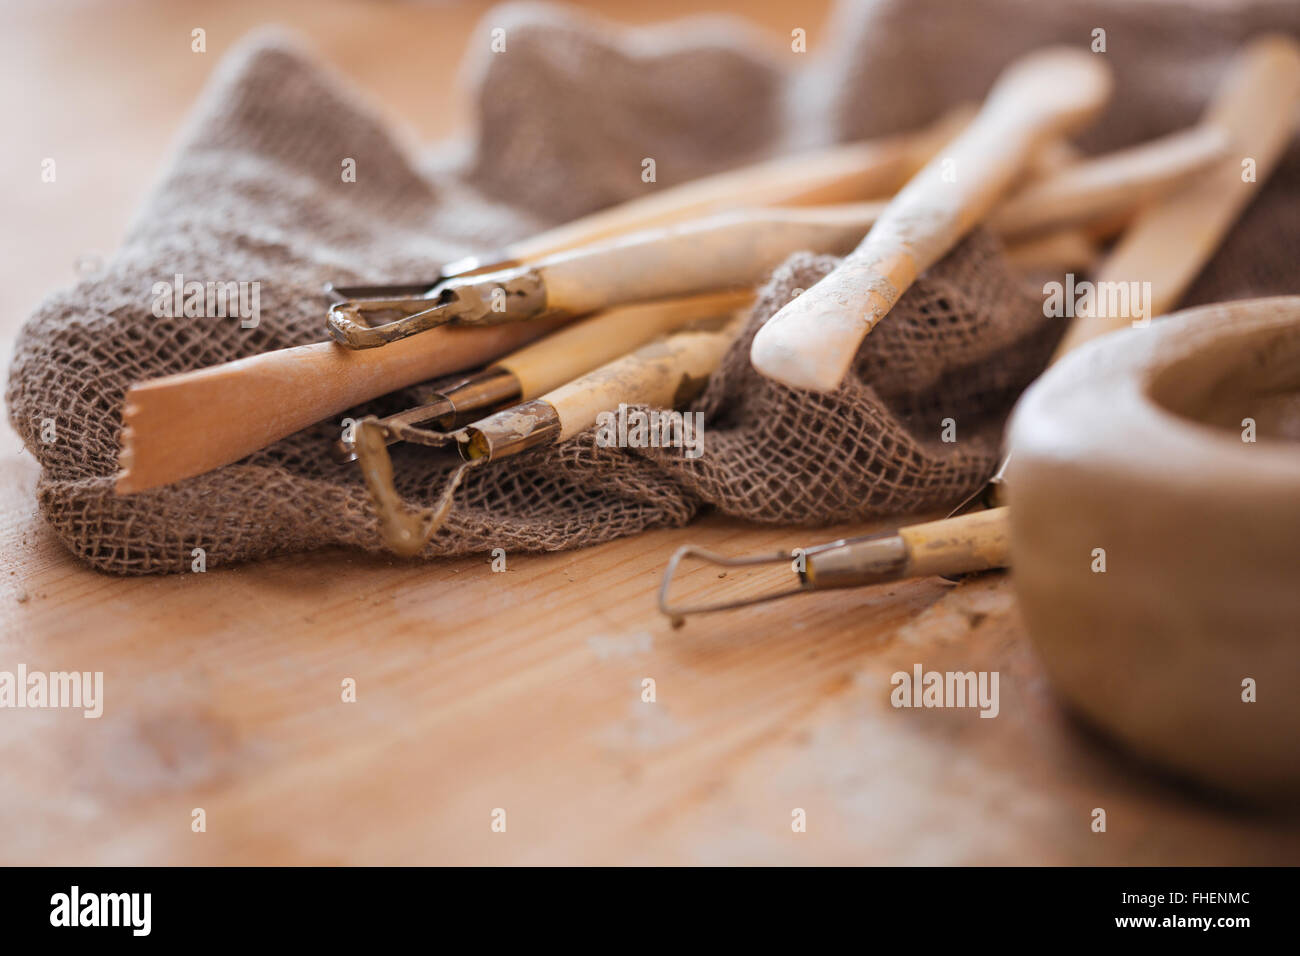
[[543, 365], [573, 351], [842, 173], [662, 374], [977, 541], [812, 341], [183, 425], [1170, 242], [1115, 182], [727, 250]]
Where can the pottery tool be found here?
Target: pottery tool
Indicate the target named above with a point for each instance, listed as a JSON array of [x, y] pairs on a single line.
[[729, 250], [835, 174], [811, 342], [664, 374], [736, 248], [183, 425], [545, 364], [1154, 506], [1167, 245], [1170, 241], [949, 546], [1117, 182]]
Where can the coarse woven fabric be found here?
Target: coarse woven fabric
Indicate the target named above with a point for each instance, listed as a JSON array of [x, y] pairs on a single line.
[[254, 193]]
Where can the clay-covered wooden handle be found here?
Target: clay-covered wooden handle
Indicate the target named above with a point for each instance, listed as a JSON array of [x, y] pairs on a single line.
[[662, 375], [729, 250], [835, 174], [578, 348], [811, 342]]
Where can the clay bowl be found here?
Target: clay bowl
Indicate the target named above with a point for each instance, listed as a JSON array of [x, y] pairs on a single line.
[[1134, 444]]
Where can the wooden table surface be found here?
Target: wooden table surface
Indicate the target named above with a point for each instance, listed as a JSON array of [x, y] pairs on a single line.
[[222, 690]]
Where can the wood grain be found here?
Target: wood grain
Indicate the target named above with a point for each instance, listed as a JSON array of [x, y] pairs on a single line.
[[476, 689]]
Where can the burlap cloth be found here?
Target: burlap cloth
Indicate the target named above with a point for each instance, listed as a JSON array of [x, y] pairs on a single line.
[[566, 116]]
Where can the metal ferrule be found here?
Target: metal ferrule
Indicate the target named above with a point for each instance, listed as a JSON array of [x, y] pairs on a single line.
[[444, 408], [487, 298], [490, 298], [511, 431], [475, 394], [855, 563], [467, 266]]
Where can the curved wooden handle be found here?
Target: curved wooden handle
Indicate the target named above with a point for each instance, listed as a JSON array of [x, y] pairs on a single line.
[[728, 250], [661, 374], [587, 344], [812, 341], [844, 173], [1171, 241]]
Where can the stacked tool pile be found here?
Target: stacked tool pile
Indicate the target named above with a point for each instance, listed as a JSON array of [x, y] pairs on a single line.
[[255, 194]]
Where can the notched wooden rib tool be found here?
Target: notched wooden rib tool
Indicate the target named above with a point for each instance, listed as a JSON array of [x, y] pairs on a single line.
[[183, 425]]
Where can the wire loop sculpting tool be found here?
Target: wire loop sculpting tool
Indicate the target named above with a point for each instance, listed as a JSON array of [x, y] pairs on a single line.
[[836, 174], [666, 373], [1167, 245], [731, 250], [183, 425], [179, 426], [972, 542], [544, 365]]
